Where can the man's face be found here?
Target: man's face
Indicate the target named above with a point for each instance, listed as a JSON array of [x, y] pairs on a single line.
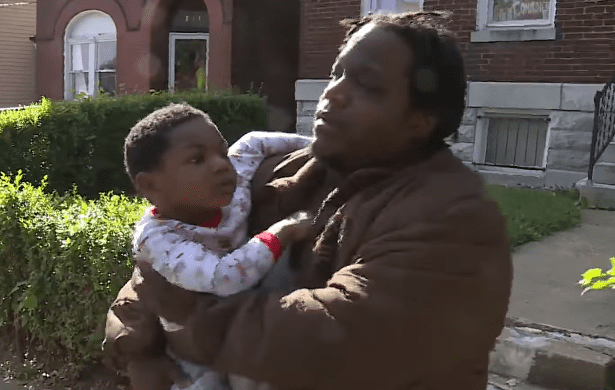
[[363, 118], [196, 174]]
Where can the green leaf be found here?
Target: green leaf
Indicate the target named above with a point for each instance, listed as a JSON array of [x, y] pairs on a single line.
[[592, 274], [30, 302]]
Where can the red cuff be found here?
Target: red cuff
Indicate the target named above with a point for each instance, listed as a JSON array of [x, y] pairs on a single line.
[[272, 243]]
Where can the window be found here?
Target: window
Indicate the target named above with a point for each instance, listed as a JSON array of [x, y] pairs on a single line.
[[385, 6], [90, 55], [507, 13], [515, 141], [515, 20]]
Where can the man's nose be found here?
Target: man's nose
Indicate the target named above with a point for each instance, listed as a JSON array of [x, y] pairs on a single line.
[[336, 93]]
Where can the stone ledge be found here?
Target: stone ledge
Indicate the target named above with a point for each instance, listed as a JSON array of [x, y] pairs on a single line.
[[601, 196], [554, 358], [306, 89], [529, 96], [514, 35]]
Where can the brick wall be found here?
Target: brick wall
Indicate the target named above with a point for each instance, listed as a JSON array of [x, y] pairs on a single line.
[[583, 52], [321, 34]]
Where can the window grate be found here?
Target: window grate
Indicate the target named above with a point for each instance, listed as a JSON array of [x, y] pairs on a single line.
[[516, 142]]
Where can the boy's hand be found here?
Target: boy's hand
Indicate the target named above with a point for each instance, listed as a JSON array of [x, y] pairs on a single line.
[[301, 225], [297, 227]]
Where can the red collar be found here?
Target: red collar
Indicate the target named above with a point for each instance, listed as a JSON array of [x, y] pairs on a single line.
[[211, 222]]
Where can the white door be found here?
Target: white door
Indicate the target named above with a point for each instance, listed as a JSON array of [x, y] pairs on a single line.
[[188, 61]]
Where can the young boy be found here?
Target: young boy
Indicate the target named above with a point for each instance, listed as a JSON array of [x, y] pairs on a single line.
[[195, 234]]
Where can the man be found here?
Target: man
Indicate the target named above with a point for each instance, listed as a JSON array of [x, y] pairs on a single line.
[[406, 283]]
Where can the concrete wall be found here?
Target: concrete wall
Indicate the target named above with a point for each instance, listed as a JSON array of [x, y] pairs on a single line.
[[17, 53], [569, 107]]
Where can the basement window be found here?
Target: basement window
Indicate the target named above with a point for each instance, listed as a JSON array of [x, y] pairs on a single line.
[[513, 141]]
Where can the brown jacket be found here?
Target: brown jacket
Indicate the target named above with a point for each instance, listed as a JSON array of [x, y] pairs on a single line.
[[407, 288]]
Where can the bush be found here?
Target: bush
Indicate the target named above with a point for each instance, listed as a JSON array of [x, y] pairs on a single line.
[[62, 261], [80, 142]]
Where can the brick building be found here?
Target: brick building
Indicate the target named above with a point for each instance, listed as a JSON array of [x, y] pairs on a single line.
[[17, 53], [134, 45], [533, 69]]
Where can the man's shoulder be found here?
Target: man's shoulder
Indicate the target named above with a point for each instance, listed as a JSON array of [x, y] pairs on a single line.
[[440, 188]]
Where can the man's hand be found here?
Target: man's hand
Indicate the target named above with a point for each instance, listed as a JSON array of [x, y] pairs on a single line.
[[156, 374]]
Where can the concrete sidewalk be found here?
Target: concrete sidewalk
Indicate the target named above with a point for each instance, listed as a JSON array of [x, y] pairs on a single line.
[[555, 337], [546, 273]]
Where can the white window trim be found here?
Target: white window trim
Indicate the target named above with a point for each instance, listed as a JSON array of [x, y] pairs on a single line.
[[365, 6], [482, 127], [93, 53], [484, 9], [174, 37]]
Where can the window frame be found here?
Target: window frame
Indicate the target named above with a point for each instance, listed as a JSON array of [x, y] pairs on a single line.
[[485, 8], [173, 38], [366, 9], [92, 71], [482, 132]]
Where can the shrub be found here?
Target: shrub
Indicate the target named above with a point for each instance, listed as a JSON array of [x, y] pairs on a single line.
[[80, 142], [62, 261]]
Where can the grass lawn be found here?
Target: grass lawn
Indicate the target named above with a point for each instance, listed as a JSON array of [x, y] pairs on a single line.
[[532, 215]]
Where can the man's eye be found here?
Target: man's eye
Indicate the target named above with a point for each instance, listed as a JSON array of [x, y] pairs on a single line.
[[196, 159]]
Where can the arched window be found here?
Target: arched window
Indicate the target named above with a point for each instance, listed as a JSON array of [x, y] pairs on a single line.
[[90, 54]]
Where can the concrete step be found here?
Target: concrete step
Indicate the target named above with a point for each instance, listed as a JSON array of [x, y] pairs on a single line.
[[604, 173], [609, 154], [598, 195], [497, 382], [540, 355]]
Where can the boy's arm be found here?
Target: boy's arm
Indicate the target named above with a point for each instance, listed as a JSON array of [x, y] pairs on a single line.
[[250, 150], [193, 266]]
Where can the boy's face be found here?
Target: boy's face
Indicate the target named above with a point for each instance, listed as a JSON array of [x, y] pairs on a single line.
[[195, 176]]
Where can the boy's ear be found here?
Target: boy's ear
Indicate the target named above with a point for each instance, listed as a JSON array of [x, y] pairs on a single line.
[[147, 185]]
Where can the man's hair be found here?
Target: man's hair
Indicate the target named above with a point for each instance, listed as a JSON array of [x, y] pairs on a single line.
[[437, 78], [149, 138]]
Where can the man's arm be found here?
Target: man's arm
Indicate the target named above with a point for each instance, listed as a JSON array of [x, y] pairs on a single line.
[[415, 301], [132, 330]]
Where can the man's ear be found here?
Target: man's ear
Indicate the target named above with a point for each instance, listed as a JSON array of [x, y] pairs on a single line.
[[147, 186], [423, 124]]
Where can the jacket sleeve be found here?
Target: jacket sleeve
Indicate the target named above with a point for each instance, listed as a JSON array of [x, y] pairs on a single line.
[[132, 331], [419, 296], [193, 266]]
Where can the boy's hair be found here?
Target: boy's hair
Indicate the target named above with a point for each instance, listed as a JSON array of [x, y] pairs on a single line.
[[437, 78], [148, 139]]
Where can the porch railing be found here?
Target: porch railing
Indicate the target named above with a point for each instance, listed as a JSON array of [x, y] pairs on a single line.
[[604, 124]]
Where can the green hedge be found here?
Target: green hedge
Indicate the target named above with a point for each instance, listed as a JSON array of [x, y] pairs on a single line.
[[79, 143], [62, 260]]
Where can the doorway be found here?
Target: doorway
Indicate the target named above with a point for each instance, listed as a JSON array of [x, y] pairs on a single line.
[[188, 61]]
